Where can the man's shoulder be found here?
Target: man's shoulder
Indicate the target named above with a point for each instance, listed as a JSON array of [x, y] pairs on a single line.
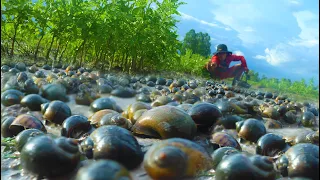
[[233, 56]]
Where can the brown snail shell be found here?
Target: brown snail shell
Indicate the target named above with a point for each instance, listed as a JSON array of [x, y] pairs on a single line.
[[273, 124], [251, 129], [26, 121], [97, 116], [115, 119], [135, 107], [5, 126], [137, 115], [161, 159], [271, 113], [165, 122], [160, 101], [229, 94], [56, 112], [223, 139]]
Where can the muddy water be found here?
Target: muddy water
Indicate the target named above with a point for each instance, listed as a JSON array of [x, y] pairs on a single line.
[[10, 168]]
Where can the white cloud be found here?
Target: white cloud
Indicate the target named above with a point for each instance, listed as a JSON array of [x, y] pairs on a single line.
[[237, 52], [240, 17], [294, 2], [248, 29], [260, 57], [308, 22], [278, 55], [307, 43], [188, 17]]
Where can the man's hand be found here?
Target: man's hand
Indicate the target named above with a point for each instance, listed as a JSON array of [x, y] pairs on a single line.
[[213, 65], [246, 70]]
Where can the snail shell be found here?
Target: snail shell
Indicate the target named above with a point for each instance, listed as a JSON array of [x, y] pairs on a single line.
[[161, 159], [165, 122]]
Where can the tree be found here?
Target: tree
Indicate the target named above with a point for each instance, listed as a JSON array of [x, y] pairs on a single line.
[[132, 34], [198, 43]]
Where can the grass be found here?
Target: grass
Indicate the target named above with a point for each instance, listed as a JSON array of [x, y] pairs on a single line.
[[9, 148]]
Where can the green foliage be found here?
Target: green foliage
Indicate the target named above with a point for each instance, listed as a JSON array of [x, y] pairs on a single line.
[[132, 34], [9, 148], [190, 63], [199, 43], [284, 85]]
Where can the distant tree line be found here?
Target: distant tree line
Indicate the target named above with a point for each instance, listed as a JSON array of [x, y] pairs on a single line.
[[198, 43]]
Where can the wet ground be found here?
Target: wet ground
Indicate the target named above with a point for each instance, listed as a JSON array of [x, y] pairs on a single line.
[[10, 168]]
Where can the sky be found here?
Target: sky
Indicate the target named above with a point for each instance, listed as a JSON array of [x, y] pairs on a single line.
[[278, 38]]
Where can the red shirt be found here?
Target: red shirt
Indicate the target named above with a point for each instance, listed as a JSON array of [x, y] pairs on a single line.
[[228, 60]]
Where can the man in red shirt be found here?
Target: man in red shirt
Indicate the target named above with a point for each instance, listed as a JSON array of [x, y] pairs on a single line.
[[219, 68]]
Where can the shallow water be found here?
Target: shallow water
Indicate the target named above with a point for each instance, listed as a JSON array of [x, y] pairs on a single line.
[[8, 172], [10, 167]]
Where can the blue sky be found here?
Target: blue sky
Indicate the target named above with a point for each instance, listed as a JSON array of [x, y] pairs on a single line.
[[278, 38]]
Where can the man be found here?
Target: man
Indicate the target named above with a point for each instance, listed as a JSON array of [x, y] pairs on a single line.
[[219, 68]]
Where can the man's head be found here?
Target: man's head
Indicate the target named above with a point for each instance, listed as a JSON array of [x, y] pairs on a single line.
[[222, 56], [222, 48]]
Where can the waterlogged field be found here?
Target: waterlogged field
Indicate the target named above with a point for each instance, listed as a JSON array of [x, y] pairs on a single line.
[[220, 113], [111, 80]]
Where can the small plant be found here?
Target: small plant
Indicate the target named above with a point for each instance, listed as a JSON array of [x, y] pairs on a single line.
[[9, 148]]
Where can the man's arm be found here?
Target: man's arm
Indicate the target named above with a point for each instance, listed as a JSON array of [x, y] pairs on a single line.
[[214, 61], [240, 58]]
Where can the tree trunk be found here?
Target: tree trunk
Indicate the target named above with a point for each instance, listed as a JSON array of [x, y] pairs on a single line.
[[49, 50], [133, 64], [112, 60], [14, 39], [122, 63], [140, 64], [37, 48], [77, 51], [82, 52], [126, 63], [61, 55], [56, 54], [104, 59], [98, 57]]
